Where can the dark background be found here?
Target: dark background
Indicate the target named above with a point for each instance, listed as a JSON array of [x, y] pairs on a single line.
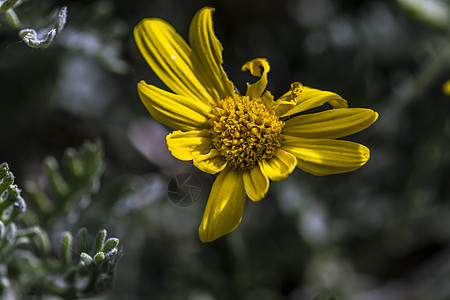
[[381, 232]]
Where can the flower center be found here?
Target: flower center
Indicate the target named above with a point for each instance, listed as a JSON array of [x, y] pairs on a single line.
[[245, 131]]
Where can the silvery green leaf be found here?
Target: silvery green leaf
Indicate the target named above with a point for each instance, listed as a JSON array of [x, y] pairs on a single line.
[[42, 40], [66, 248], [55, 177], [86, 264], [2, 230], [110, 244], [28, 232], [8, 4], [433, 12], [82, 240], [99, 258], [99, 241], [74, 162], [111, 253], [18, 208], [86, 259]]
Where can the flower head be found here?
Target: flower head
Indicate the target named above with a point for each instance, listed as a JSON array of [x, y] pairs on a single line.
[[248, 138]]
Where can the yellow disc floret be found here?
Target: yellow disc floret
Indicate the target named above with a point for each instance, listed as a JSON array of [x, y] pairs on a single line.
[[245, 131]]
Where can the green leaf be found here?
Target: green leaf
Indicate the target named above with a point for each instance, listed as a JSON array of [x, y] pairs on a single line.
[[44, 244], [74, 163], [82, 240], [433, 12], [86, 259], [42, 40], [6, 177], [39, 198], [8, 4], [110, 244], [68, 183], [66, 248], [28, 232], [99, 241], [11, 234], [99, 258], [111, 253], [18, 208], [13, 19], [85, 266], [2, 230], [57, 181]]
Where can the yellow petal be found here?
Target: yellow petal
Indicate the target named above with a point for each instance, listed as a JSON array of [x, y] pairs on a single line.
[[171, 58], [187, 145], [307, 98], [325, 156], [175, 111], [330, 124], [256, 183], [209, 51], [211, 163], [225, 206], [280, 165], [267, 100], [256, 89], [446, 87]]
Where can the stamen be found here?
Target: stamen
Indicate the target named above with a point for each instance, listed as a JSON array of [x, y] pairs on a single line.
[[245, 131]]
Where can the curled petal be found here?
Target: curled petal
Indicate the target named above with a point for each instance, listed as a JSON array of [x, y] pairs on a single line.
[[187, 145], [330, 124], [256, 89], [326, 156], [209, 51], [256, 183], [292, 96], [306, 98], [280, 165], [211, 163], [225, 206], [175, 111]]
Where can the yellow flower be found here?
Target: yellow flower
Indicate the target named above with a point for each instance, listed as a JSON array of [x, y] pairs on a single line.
[[446, 87], [249, 138]]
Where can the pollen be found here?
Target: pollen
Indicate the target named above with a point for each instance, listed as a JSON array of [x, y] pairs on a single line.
[[245, 131]]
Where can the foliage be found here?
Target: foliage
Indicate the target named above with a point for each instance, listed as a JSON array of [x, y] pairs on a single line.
[[433, 12], [69, 185], [34, 39], [29, 267]]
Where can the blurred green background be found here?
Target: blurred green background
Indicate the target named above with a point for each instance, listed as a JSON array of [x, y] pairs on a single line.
[[382, 232]]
